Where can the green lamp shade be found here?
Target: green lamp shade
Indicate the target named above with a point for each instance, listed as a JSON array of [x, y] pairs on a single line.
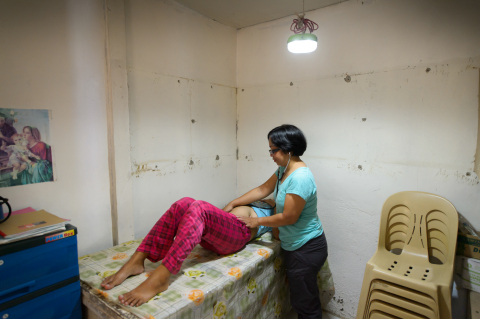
[[302, 43]]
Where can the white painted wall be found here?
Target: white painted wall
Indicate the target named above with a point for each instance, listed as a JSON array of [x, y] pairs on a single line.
[[182, 100], [420, 131], [52, 56], [420, 128]]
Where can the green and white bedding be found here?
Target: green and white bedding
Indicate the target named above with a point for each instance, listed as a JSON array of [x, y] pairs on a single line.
[[248, 284]]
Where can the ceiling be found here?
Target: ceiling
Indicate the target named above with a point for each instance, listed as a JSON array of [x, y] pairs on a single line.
[[243, 13]]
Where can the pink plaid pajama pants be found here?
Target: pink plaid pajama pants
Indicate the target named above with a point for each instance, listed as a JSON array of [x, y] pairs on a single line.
[[187, 223]]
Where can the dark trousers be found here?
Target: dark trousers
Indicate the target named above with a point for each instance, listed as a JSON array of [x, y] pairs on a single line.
[[303, 266]]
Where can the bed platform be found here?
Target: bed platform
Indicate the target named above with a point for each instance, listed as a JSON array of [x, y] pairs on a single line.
[[248, 284]]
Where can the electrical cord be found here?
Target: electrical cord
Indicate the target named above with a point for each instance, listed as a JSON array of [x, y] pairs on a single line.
[[301, 25]]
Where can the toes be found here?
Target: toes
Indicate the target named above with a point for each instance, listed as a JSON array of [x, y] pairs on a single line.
[[131, 299], [127, 299], [106, 281], [138, 302]]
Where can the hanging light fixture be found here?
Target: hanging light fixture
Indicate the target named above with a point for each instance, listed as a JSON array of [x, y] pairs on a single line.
[[302, 42]]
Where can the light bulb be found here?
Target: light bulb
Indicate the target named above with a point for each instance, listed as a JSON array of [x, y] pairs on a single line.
[[302, 43]]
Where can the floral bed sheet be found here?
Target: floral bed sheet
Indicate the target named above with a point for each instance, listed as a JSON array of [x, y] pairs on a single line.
[[248, 284]]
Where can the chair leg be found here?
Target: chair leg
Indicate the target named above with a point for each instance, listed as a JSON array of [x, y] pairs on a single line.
[[445, 302], [362, 303]]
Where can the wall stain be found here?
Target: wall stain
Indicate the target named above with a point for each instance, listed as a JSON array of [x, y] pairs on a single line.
[[468, 178], [217, 162], [191, 164], [166, 168]]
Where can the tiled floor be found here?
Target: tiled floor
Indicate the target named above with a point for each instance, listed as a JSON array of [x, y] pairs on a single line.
[[326, 315]]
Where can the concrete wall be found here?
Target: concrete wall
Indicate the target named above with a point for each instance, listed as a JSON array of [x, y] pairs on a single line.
[[407, 120], [52, 56], [182, 100]]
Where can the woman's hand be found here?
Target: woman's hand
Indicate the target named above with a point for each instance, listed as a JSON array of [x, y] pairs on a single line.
[[251, 222], [228, 208]]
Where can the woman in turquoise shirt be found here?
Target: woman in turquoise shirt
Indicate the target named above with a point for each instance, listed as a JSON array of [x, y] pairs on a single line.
[[296, 222]]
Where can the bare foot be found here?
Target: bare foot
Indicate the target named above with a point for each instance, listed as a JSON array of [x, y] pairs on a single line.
[[156, 283], [133, 267]]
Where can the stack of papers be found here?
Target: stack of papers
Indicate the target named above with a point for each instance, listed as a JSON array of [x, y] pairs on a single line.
[[31, 224]]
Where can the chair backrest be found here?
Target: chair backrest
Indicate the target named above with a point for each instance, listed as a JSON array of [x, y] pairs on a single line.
[[420, 224]]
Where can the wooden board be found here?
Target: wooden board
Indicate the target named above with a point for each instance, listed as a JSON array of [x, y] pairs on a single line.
[[98, 307], [475, 305]]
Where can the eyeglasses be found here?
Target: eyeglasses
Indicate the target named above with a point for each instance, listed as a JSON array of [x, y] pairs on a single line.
[[273, 151]]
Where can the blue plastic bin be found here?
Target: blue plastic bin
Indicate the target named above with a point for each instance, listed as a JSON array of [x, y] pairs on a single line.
[[61, 303], [29, 270]]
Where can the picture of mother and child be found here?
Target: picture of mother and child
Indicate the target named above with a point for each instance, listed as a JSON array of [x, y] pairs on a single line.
[[24, 157]]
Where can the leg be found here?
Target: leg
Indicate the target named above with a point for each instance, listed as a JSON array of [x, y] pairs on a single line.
[[22, 168], [188, 235], [155, 245], [224, 234], [160, 238], [134, 266], [201, 223], [208, 226], [16, 167], [157, 282], [303, 265]]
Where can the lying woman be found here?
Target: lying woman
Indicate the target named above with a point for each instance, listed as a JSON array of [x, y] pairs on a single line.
[[187, 223]]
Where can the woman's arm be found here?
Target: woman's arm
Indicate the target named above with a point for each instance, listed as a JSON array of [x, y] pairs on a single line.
[[292, 209], [30, 154], [276, 233], [257, 193]]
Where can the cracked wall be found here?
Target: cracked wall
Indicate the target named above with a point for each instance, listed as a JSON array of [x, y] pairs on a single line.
[[182, 100], [388, 103]]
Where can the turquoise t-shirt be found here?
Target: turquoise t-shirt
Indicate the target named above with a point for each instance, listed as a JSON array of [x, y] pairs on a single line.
[[308, 225]]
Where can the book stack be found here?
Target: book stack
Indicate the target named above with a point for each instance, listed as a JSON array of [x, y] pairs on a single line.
[[30, 224]]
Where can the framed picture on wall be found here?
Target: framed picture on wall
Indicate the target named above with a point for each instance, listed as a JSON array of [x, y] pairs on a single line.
[[25, 150]]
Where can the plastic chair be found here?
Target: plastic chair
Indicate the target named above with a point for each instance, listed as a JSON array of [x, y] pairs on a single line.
[[380, 315], [396, 312], [415, 307], [403, 292], [410, 275]]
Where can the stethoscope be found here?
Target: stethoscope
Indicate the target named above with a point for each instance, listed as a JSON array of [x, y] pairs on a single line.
[[280, 177], [4, 201]]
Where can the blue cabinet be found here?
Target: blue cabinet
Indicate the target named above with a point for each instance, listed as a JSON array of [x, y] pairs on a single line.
[[40, 278]]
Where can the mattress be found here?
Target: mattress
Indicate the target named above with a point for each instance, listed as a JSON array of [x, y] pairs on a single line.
[[248, 284]]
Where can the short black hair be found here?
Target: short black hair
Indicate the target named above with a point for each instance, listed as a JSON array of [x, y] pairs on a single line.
[[288, 138]]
